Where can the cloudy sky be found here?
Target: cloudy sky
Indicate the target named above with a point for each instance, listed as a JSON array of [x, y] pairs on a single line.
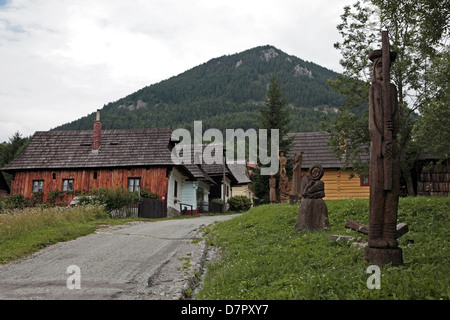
[[63, 59]]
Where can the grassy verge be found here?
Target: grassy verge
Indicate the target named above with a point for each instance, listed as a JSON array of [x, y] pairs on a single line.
[[264, 258], [26, 231]]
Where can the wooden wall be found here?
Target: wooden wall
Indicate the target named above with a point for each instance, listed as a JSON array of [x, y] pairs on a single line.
[[152, 179], [434, 181], [339, 186]]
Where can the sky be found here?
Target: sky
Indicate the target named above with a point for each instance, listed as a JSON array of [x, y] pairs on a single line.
[[64, 59]]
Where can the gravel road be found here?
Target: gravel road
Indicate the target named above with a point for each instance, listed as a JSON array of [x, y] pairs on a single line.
[[138, 261]]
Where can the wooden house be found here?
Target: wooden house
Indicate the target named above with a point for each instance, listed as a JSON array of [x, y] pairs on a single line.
[[196, 190], [216, 170], [338, 184], [433, 179], [207, 182], [70, 161], [243, 185]]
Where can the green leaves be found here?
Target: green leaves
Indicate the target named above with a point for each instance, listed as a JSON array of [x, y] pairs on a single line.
[[239, 203]]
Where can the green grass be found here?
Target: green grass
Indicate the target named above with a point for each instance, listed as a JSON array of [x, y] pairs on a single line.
[[264, 258], [23, 232]]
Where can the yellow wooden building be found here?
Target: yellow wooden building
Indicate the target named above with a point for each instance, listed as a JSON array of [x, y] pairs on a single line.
[[243, 185], [338, 185]]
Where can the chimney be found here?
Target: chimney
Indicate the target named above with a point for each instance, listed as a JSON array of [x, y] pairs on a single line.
[[97, 133]]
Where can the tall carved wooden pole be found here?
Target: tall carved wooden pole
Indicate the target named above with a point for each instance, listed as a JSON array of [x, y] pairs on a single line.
[[387, 108], [384, 169]]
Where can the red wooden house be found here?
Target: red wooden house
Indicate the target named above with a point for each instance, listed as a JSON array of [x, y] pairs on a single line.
[[84, 160]]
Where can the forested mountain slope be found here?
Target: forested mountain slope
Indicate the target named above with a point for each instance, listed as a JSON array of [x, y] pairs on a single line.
[[225, 92]]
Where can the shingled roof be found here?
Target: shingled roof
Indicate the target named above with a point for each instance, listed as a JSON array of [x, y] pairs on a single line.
[[239, 171], [316, 150], [73, 149]]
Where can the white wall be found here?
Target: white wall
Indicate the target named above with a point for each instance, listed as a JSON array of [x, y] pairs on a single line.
[[228, 183], [175, 175], [190, 192]]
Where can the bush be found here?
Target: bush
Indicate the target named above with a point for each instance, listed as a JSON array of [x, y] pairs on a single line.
[[16, 201], [240, 203], [147, 194], [112, 199]]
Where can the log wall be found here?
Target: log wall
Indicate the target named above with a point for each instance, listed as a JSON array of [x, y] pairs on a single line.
[[339, 186], [434, 181], [152, 179]]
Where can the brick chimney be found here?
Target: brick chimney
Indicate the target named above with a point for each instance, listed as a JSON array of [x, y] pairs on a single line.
[[97, 137]]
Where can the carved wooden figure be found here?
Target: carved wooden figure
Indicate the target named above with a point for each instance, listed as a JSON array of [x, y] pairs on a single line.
[[273, 191], [284, 180], [296, 176], [384, 160], [313, 212]]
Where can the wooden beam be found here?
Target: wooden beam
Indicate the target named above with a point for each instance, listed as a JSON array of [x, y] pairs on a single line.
[[402, 228], [353, 225]]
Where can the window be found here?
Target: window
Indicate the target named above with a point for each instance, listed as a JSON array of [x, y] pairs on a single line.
[[175, 189], [134, 184], [67, 185], [38, 185], [95, 175], [364, 181]]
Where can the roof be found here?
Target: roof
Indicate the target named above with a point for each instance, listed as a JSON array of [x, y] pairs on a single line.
[[209, 165], [73, 149], [239, 171], [198, 173], [316, 150]]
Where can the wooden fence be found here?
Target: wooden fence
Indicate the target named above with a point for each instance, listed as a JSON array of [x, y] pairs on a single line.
[[152, 208]]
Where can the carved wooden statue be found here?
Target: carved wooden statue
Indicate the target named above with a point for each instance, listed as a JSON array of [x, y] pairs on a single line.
[[384, 160], [296, 175], [273, 191], [313, 212], [283, 162], [284, 180]]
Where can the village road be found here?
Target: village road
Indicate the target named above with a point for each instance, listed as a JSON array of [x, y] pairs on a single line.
[[114, 263]]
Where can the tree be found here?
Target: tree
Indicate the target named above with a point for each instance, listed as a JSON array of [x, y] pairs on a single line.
[[13, 148], [10, 150], [432, 131], [417, 45], [275, 114]]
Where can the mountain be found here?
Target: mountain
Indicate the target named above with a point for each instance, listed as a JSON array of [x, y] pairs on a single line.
[[225, 92]]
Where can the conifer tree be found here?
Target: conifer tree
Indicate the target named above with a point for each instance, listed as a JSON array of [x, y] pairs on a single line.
[[275, 114]]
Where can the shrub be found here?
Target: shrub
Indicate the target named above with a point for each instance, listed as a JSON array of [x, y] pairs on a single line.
[[112, 199], [15, 201], [55, 197], [240, 203], [147, 194]]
